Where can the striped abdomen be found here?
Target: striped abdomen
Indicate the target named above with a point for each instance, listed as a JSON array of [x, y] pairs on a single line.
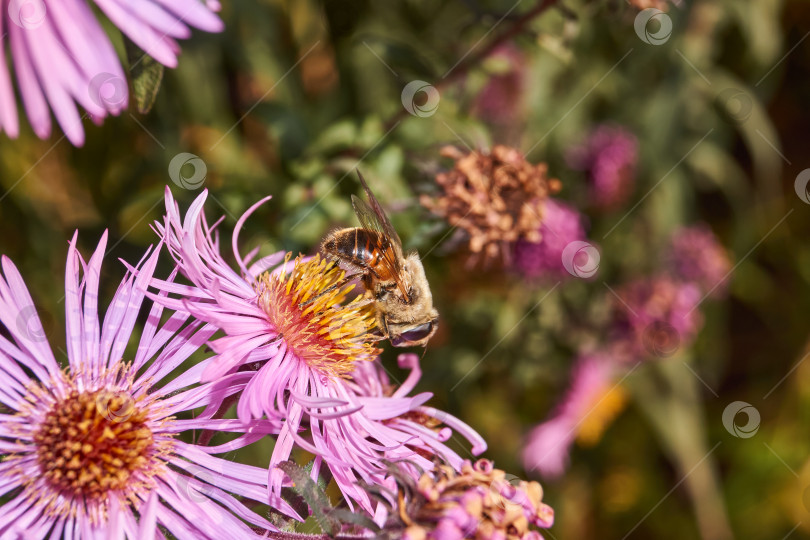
[[362, 247]]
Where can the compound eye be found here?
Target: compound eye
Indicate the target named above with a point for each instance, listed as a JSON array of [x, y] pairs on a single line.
[[415, 334]]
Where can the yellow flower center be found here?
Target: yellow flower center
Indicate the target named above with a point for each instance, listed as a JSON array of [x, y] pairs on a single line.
[[92, 442], [306, 306], [89, 444]]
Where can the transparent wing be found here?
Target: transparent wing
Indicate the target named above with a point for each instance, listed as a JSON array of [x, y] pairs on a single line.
[[374, 215], [374, 219]]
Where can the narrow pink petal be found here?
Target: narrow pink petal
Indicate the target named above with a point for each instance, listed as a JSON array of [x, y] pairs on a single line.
[[408, 361], [385, 408], [129, 304], [91, 326], [114, 528], [218, 478], [225, 424], [56, 74], [478, 442], [148, 517], [36, 108], [238, 228], [73, 314], [8, 103], [194, 13], [265, 263], [162, 21], [58, 527], [154, 44], [83, 37], [24, 303]]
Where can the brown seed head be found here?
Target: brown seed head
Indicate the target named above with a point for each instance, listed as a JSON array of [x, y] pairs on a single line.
[[496, 198]]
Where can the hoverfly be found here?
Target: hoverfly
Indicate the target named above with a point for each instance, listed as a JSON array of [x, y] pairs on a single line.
[[394, 282]]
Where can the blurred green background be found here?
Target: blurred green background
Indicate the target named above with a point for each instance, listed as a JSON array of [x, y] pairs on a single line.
[[294, 95]]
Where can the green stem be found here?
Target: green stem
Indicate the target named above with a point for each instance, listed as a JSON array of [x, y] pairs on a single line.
[[669, 395]]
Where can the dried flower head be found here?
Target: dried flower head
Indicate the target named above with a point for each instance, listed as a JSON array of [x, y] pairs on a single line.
[[479, 501], [496, 198]]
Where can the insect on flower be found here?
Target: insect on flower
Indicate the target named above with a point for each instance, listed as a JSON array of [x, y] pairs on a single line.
[[395, 283], [289, 326]]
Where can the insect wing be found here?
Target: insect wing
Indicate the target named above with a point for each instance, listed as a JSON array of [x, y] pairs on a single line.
[[374, 219], [377, 211]]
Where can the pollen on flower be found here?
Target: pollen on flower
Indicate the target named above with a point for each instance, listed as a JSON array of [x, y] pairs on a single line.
[[92, 442], [89, 443], [308, 308]]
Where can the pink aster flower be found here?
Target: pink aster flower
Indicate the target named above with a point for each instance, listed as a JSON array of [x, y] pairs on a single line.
[[589, 405], [91, 448], [609, 156], [548, 257], [291, 328], [656, 317], [474, 501], [697, 256], [62, 57]]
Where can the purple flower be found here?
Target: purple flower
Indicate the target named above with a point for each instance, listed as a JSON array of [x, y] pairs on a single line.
[[475, 501], [92, 448], [561, 226], [62, 57], [697, 256], [589, 405], [609, 155], [290, 327], [500, 100], [655, 317]]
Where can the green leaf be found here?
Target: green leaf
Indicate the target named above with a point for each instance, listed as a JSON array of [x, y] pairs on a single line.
[[322, 481], [147, 74], [318, 502]]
